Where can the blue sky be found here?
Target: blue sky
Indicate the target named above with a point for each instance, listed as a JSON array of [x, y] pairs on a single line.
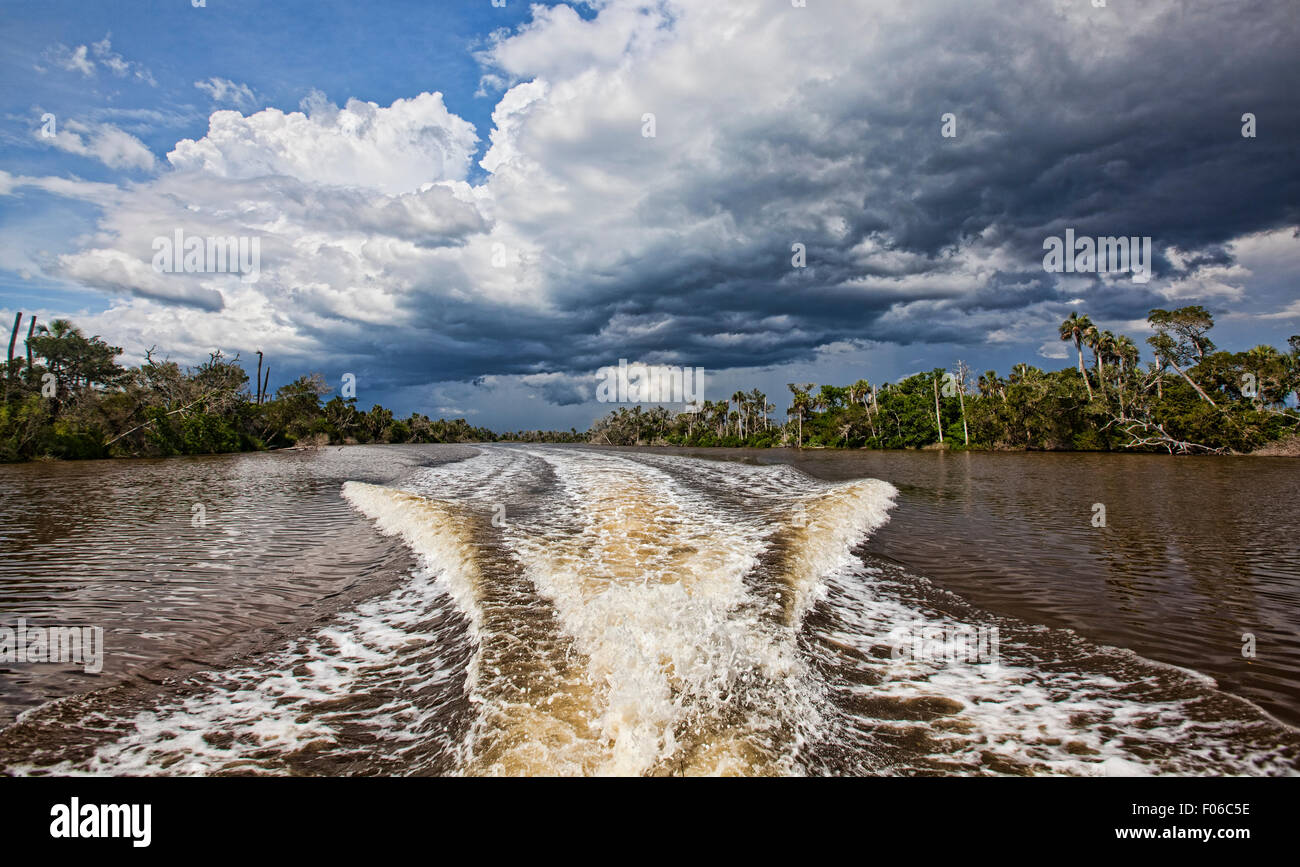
[[459, 204], [281, 50]]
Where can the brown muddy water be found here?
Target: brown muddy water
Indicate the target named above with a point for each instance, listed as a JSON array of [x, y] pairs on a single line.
[[561, 610]]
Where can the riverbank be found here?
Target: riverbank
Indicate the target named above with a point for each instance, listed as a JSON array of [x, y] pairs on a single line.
[[1287, 448]]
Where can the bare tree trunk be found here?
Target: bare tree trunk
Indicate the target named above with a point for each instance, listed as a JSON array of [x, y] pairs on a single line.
[[1120, 387], [266, 382], [1199, 390], [1078, 345], [938, 420], [151, 421], [1160, 437], [13, 340], [962, 373], [965, 432], [257, 383], [31, 330], [872, 407]]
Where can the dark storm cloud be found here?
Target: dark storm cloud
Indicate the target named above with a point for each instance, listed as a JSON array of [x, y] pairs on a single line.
[[1141, 138], [816, 126]]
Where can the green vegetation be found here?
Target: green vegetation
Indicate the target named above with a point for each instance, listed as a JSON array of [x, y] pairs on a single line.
[[68, 398], [1190, 399]]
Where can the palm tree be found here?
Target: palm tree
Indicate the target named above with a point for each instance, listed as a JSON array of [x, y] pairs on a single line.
[[57, 328], [716, 416], [819, 402], [1269, 368], [1076, 328], [1022, 373], [1095, 340], [1127, 353], [758, 401], [706, 412], [1126, 356], [637, 419], [800, 404], [854, 391], [990, 384], [691, 412], [858, 392], [1105, 349], [741, 409]]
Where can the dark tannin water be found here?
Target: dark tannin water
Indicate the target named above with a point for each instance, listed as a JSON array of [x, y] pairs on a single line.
[[1194, 553], [560, 610]]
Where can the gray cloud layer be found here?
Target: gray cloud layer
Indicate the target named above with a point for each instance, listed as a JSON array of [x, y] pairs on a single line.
[[588, 242]]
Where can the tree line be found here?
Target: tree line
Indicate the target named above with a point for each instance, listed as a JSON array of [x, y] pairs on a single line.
[[1189, 398], [66, 396]]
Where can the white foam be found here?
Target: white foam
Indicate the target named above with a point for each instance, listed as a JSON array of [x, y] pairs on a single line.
[[644, 613], [432, 530], [254, 719]]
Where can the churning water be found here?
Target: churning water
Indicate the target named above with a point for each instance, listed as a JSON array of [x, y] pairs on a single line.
[[548, 610]]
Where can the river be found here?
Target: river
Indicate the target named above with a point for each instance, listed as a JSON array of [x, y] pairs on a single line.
[[511, 609]]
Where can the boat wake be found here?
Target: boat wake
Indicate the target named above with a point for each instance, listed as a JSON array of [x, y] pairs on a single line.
[[580, 612]]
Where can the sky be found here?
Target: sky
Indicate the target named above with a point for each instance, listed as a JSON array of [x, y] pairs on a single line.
[[473, 208]]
